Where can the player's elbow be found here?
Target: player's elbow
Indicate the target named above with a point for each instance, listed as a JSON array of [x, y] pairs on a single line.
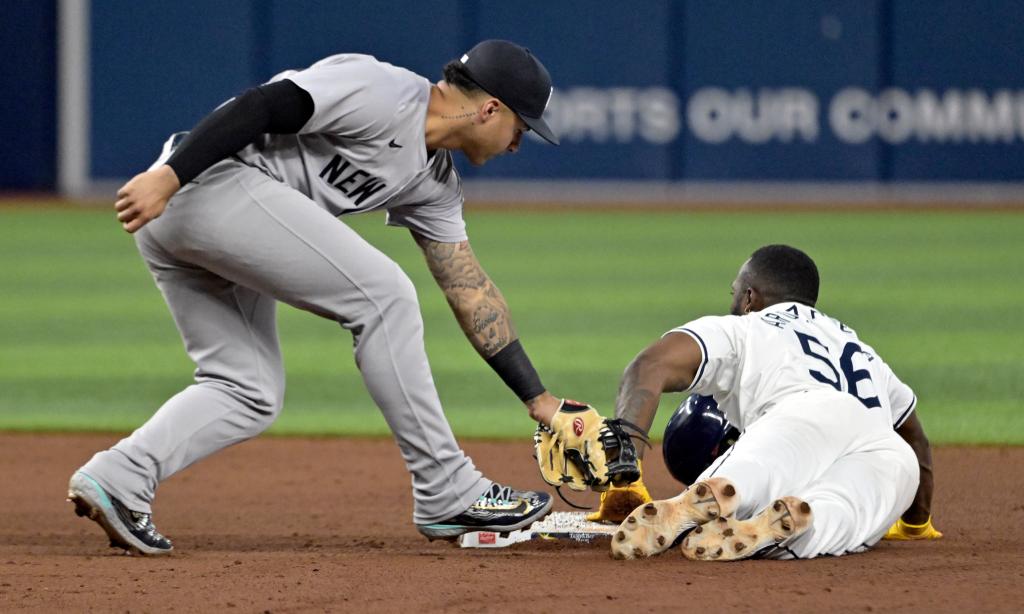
[[912, 431], [647, 370]]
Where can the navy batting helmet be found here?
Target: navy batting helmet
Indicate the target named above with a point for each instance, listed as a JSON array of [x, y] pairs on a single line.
[[695, 436]]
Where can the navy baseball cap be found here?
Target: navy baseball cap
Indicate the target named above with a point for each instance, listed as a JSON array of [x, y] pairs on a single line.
[[516, 77]]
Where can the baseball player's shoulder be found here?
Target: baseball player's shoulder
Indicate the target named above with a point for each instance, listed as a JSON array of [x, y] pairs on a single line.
[[715, 329], [372, 95], [345, 59], [365, 72], [337, 64], [843, 327], [379, 72]]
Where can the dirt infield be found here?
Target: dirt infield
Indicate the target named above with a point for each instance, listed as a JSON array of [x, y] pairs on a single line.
[[296, 525]]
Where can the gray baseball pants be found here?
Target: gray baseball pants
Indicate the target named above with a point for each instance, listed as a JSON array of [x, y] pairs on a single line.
[[226, 249]]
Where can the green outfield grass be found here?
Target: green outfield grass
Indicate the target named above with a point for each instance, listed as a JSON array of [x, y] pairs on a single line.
[[86, 342]]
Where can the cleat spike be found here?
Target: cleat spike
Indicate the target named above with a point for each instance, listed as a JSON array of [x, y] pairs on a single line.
[[730, 540], [653, 527]]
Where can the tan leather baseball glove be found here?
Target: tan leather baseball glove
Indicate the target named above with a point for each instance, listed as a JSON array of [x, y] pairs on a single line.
[[582, 449]]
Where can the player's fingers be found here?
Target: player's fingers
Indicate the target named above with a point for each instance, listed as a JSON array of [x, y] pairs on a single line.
[[135, 224], [140, 219], [127, 215], [131, 224], [127, 188], [122, 204]]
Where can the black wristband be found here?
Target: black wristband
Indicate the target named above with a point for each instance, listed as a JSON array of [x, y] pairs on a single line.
[[514, 368]]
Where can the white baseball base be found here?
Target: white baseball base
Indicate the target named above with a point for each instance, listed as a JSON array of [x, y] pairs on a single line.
[[558, 525]]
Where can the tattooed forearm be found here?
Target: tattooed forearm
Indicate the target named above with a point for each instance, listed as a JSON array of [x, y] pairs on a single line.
[[453, 265], [478, 305], [667, 365], [492, 329], [636, 403]]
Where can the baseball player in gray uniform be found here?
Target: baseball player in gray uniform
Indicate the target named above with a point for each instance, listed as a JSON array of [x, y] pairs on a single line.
[[248, 206]]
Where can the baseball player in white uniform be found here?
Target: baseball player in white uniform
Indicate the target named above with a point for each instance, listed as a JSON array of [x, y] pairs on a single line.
[[243, 212], [820, 467]]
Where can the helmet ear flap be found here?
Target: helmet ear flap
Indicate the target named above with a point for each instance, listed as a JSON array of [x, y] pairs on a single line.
[[696, 434]]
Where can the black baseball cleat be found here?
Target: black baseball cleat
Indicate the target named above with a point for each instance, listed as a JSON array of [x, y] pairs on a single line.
[[499, 508], [127, 529]]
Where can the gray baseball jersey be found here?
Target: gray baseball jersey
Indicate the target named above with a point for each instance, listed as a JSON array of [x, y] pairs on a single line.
[[364, 148]]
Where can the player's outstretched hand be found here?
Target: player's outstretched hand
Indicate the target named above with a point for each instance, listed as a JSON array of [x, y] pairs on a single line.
[[902, 531], [144, 197]]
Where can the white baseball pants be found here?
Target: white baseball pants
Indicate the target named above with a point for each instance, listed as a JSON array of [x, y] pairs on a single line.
[[826, 448]]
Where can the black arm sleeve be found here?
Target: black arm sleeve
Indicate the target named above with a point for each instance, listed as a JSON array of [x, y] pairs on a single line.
[[515, 369], [275, 108]]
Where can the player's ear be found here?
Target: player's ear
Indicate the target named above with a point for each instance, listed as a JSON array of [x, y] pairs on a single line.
[[753, 300], [489, 109]]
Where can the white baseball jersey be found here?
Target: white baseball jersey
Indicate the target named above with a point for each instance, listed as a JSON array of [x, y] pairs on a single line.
[[750, 363], [364, 148]]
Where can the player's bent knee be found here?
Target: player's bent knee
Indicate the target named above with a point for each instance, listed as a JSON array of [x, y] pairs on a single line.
[[272, 404], [264, 412], [396, 298], [403, 289], [265, 389]]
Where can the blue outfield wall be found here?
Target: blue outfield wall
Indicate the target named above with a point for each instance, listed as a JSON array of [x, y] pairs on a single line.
[[665, 90], [28, 94]]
